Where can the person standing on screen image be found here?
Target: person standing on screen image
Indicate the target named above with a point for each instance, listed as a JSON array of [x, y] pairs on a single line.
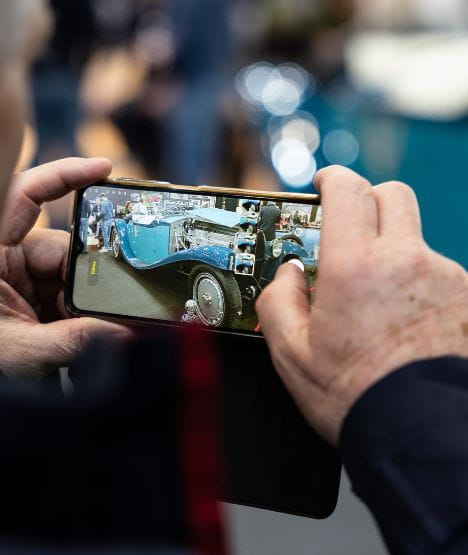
[[139, 209], [270, 215], [106, 214]]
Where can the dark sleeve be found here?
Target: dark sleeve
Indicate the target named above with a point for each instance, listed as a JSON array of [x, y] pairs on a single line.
[[405, 448]]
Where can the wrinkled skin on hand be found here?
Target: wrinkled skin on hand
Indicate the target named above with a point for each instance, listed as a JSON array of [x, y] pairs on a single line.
[[383, 299], [36, 333]]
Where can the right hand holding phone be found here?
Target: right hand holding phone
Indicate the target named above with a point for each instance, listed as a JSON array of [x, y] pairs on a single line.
[[383, 299]]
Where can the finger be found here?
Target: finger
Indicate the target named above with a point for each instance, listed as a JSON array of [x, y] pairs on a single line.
[[46, 253], [44, 184], [398, 210], [48, 294], [284, 311], [57, 344], [349, 208]]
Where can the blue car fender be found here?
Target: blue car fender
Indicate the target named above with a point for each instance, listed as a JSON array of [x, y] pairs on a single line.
[[125, 248], [290, 247], [212, 255]]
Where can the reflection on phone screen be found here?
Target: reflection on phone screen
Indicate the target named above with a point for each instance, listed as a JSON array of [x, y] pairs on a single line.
[[186, 257]]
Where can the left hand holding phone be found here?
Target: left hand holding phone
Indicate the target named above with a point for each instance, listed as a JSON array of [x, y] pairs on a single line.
[[36, 333]]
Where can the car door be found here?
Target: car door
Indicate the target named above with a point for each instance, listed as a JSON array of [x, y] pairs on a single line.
[[150, 242]]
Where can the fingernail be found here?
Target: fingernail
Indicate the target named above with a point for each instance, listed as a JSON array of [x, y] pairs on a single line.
[[121, 335], [100, 159], [298, 263]]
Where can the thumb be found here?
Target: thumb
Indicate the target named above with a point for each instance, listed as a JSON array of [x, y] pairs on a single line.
[[284, 308], [55, 345]]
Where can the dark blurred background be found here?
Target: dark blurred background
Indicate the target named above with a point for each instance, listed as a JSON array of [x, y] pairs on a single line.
[[260, 94]]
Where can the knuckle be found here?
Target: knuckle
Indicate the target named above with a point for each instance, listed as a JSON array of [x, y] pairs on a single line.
[[266, 296], [280, 347], [360, 187], [331, 171], [343, 178], [417, 261], [402, 187], [335, 173], [393, 188], [62, 236], [78, 337]]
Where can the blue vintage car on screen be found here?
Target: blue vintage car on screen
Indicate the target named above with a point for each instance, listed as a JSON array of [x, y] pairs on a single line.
[[207, 246]]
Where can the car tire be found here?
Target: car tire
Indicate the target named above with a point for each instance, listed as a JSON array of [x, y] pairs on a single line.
[[217, 295], [115, 245]]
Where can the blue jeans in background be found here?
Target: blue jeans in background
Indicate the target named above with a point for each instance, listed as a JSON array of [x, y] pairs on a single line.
[[106, 227]]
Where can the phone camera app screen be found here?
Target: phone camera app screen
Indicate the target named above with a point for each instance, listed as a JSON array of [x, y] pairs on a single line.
[[187, 257]]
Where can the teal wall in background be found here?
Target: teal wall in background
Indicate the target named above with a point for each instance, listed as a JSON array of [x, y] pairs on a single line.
[[432, 158], [435, 164]]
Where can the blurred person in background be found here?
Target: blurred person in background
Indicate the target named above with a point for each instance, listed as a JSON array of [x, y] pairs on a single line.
[[305, 39], [173, 127], [57, 75], [194, 127], [56, 79]]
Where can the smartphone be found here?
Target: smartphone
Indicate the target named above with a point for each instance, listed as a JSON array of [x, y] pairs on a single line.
[[167, 254], [155, 252]]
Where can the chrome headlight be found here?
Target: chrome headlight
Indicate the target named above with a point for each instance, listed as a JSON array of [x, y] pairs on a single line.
[[277, 247]]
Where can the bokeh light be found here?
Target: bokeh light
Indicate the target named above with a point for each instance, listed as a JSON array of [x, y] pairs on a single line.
[[294, 162], [278, 90], [281, 96], [251, 81], [305, 129], [341, 147]]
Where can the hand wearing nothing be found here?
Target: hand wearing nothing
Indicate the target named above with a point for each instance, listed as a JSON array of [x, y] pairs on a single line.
[[383, 299], [36, 333]]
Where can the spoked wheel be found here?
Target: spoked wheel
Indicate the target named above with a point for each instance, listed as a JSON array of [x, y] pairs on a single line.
[[115, 242], [217, 296]]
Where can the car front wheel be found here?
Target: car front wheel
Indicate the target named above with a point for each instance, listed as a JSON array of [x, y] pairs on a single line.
[[217, 296]]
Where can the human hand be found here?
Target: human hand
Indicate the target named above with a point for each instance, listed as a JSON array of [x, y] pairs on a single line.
[[383, 299], [36, 333]]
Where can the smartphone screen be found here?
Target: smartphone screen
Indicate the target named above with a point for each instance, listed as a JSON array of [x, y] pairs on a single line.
[[185, 257]]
